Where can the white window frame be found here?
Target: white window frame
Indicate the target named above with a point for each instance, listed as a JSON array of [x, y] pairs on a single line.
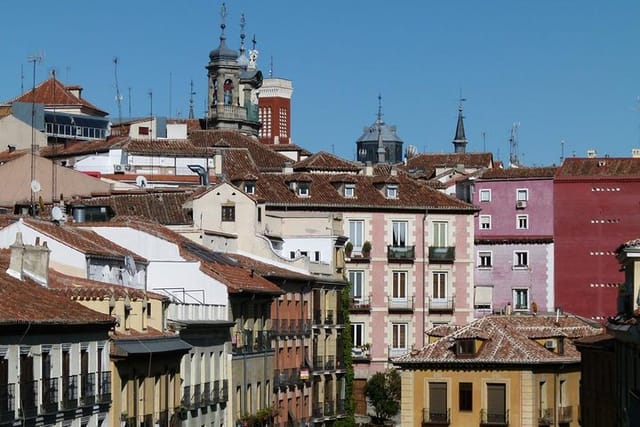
[[484, 222], [522, 217], [485, 195], [356, 233], [304, 189], [399, 234], [440, 234], [392, 191], [356, 278], [522, 194], [358, 337], [250, 187], [485, 254], [520, 294], [350, 190], [516, 259], [441, 292], [399, 333], [399, 285]]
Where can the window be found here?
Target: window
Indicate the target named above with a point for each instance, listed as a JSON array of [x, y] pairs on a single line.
[[399, 291], [265, 120], [392, 191], [483, 297], [399, 332], [438, 410], [485, 195], [356, 278], [522, 194], [496, 403], [357, 333], [143, 130], [465, 397], [522, 222], [520, 259], [229, 213], [521, 299], [484, 259], [283, 122], [440, 231], [465, 347], [303, 189], [399, 238], [439, 285], [485, 222], [356, 232], [349, 190], [250, 187]]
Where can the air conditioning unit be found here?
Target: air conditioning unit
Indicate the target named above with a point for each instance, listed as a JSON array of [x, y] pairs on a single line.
[[128, 168], [521, 204], [550, 344], [118, 168]]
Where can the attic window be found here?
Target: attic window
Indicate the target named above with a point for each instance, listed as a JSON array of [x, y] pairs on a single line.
[[465, 347], [349, 190], [303, 189], [250, 187], [392, 191], [143, 130]]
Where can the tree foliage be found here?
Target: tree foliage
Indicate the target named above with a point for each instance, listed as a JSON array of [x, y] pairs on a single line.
[[383, 393], [347, 340]]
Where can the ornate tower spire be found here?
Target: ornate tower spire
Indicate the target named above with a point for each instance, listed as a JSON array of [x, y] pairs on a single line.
[[381, 151], [243, 22], [223, 15], [460, 140]]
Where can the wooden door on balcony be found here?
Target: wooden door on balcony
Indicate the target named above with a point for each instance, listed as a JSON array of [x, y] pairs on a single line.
[[496, 403], [4, 386], [27, 391], [437, 402]]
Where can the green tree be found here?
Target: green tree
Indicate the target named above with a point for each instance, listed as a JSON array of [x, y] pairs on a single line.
[[383, 393], [347, 343]]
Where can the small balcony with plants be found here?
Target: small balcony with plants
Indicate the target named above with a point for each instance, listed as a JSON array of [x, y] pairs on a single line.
[[401, 254]]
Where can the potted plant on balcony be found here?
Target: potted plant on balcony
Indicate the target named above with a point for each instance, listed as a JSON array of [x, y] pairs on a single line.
[[348, 248], [366, 249]]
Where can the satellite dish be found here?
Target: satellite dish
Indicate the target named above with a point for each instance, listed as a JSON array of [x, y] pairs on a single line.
[[35, 186], [141, 181], [56, 213]]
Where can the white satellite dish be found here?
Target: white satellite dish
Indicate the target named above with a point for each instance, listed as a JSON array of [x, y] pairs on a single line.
[[56, 213], [35, 186], [141, 181]]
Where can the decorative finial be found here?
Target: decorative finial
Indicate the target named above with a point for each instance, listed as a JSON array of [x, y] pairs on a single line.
[[253, 41], [271, 67], [223, 15], [253, 55], [379, 108], [243, 22], [460, 101]]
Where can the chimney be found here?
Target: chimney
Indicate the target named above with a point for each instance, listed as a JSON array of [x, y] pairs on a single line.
[[368, 169], [592, 154], [288, 168], [30, 261], [217, 163], [635, 153], [75, 91]]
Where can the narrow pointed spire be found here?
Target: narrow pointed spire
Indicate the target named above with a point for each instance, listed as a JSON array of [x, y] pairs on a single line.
[[223, 15], [243, 22], [381, 150], [191, 113], [460, 140]]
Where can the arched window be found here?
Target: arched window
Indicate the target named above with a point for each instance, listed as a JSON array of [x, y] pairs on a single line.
[[228, 91]]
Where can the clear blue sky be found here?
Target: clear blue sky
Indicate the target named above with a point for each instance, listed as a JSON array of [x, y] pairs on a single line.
[[564, 70]]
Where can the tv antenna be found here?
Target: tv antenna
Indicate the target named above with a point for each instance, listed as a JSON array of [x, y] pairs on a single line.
[[34, 59], [513, 145], [191, 93], [118, 95]]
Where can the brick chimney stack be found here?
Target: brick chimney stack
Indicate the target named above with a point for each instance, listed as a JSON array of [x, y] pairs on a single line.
[[29, 261]]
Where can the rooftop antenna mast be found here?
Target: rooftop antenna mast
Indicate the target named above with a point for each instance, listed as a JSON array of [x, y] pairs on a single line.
[[513, 145], [561, 151], [35, 186], [191, 93], [118, 95], [21, 78]]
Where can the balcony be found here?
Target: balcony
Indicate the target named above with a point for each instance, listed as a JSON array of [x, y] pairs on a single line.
[[360, 304], [282, 328], [329, 319], [228, 112], [317, 317], [186, 402], [441, 255], [329, 408], [104, 387], [224, 391], [317, 410], [565, 414], [7, 402], [545, 418], [401, 253], [488, 419], [281, 378], [441, 305], [215, 392], [341, 408], [28, 399], [399, 305], [49, 403], [361, 354], [196, 399], [206, 394], [88, 389], [435, 418], [70, 393]]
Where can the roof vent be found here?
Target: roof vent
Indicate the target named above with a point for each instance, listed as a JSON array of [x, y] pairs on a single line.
[[635, 153], [591, 154]]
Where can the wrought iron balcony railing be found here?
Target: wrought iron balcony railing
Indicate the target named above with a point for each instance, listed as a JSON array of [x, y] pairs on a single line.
[[441, 305], [442, 254], [402, 304], [401, 253], [494, 418], [360, 304], [433, 417]]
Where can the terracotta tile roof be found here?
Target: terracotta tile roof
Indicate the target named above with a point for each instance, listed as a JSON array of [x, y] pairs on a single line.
[[82, 147], [266, 160], [52, 92], [515, 173], [85, 241], [167, 147], [25, 301], [323, 161], [507, 340], [369, 193], [223, 267], [573, 167], [289, 147], [427, 163], [270, 270], [237, 164], [7, 156], [163, 206]]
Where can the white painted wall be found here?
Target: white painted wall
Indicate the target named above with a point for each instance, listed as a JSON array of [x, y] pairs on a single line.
[[95, 163], [185, 276], [309, 244], [143, 244]]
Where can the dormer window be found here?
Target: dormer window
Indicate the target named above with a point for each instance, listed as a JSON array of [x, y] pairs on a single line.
[[250, 187], [465, 347], [350, 190], [392, 191], [303, 189]]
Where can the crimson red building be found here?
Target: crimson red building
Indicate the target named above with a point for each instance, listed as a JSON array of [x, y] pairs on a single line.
[[274, 109], [596, 208]]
